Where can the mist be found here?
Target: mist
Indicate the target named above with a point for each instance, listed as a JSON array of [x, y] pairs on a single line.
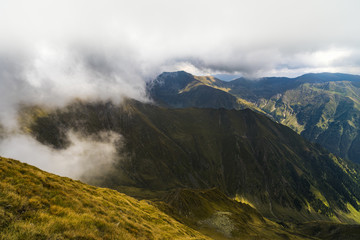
[[86, 158]]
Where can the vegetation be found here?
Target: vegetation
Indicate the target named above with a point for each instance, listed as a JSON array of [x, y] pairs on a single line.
[[38, 205], [241, 153], [211, 212], [327, 113]]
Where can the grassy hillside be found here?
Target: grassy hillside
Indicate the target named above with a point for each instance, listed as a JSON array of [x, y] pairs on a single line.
[[38, 205], [213, 213], [242, 153]]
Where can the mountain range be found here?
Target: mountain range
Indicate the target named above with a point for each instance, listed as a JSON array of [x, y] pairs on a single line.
[[243, 154], [198, 162], [324, 107]]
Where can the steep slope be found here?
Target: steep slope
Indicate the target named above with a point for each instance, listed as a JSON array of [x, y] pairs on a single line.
[[324, 107], [38, 205], [242, 153], [327, 113]]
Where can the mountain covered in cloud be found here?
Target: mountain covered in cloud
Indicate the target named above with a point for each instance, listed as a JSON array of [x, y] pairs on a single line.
[[324, 107], [242, 153]]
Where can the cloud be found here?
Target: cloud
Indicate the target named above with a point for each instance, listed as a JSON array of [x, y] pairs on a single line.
[[54, 76], [54, 51], [250, 37], [86, 158]]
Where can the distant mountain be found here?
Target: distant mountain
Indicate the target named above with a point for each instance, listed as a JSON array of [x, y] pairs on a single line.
[[243, 154], [323, 107], [181, 90]]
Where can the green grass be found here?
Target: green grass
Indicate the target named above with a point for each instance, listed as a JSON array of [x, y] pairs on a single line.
[[38, 205], [326, 113], [214, 214]]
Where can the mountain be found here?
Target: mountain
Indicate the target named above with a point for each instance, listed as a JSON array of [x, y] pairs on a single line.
[[181, 89], [324, 107], [244, 154], [37, 205]]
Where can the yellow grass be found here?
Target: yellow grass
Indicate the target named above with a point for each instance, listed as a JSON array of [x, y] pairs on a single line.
[[38, 205]]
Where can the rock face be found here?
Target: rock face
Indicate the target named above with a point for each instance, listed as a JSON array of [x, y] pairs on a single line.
[[242, 153], [324, 108]]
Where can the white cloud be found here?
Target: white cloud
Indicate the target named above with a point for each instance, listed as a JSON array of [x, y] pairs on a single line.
[[225, 35], [53, 51], [321, 58], [86, 158]]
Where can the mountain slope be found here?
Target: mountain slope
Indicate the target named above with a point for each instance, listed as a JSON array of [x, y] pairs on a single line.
[[242, 153], [181, 89], [324, 108], [327, 113], [213, 213], [38, 205]]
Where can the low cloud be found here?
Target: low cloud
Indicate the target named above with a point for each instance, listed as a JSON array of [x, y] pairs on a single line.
[[87, 158], [53, 76]]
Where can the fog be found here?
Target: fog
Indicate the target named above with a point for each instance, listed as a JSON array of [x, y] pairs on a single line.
[[86, 158]]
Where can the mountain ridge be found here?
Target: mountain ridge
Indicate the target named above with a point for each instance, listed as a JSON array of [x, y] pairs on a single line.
[[242, 153], [323, 107]]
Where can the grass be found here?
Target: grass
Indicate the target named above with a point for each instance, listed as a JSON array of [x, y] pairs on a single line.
[[38, 205], [319, 196], [214, 214]]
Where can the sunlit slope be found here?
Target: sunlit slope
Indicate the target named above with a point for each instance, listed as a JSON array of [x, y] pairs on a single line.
[[37, 205], [181, 89], [327, 113], [242, 153], [323, 107], [213, 213]]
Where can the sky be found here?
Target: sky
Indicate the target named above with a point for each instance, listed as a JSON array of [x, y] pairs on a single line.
[[52, 51], [253, 38]]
